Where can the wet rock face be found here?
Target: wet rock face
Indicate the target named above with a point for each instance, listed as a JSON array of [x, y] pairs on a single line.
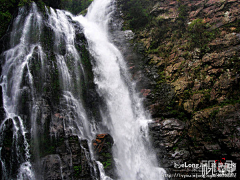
[[221, 136], [7, 149], [103, 152], [71, 161], [177, 142], [52, 167], [170, 141]]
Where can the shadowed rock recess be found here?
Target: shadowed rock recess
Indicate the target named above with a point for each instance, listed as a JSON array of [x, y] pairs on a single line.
[[184, 56]]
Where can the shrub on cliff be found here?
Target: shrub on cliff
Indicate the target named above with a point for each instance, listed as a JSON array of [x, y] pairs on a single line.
[[6, 10], [75, 6], [200, 34], [135, 12]]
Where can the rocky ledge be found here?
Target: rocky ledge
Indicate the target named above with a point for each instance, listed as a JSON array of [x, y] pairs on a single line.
[[190, 55]]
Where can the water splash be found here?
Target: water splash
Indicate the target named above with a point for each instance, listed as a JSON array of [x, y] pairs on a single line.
[[126, 118]]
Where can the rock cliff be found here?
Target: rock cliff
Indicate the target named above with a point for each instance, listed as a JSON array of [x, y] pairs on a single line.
[[186, 64], [190, 53]]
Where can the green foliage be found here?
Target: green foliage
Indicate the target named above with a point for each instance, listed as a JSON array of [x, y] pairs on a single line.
[[107, 163], [7, 9], [41, 5], [162, 77], [77, 170], [135, 13], [5, 15], [200, 34], [182, 17], [24, 2], [196, 27], [175, 148], [75, 6]]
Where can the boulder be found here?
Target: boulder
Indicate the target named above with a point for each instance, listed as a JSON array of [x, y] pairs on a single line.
[[103, 152]]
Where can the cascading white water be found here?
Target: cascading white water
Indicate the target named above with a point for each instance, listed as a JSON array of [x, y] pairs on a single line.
[[124, 116], [15, 69], [69, 74], [125, 119], [26, 50]]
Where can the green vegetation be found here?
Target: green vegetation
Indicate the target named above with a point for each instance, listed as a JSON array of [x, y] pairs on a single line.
[[9, 7], [108, 161], [6, 14], [200, 35], [77, 170], [5, 18], [182, 18], [75, 6], [135, 12], [24, 2], [7, 10]]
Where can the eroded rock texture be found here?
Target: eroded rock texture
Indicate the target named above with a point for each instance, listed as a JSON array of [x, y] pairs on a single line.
[[192, 60], [71, 161], [103, 151]]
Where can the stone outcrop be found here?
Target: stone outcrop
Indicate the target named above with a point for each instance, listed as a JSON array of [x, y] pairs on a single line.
[[103, 152], [169, 140], [71, 161], [192, 62]]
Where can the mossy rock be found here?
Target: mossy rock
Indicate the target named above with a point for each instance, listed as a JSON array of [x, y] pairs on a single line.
[[103, 152]]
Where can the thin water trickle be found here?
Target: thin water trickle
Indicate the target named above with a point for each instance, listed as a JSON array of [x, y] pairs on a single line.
[[14, 71]]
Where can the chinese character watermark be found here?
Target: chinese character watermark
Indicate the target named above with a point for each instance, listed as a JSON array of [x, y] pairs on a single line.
[[210, 169]]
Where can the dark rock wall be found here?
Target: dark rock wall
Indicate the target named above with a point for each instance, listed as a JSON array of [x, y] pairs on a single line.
[[55, 152], [71, 161], [102, 146]]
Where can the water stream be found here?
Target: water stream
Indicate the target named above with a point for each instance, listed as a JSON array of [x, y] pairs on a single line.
[[27, 67], [125, 117]]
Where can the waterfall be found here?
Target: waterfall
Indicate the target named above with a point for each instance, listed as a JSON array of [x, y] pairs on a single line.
[[125, 116], [45, 99], [35, 70], [15, 70]]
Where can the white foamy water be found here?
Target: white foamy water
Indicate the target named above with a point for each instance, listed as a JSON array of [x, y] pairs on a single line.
[[126, 118], [15, 69], [122, 113]]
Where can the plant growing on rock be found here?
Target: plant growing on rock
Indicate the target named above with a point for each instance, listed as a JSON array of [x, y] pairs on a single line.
[[200, 34], [136, 13]]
